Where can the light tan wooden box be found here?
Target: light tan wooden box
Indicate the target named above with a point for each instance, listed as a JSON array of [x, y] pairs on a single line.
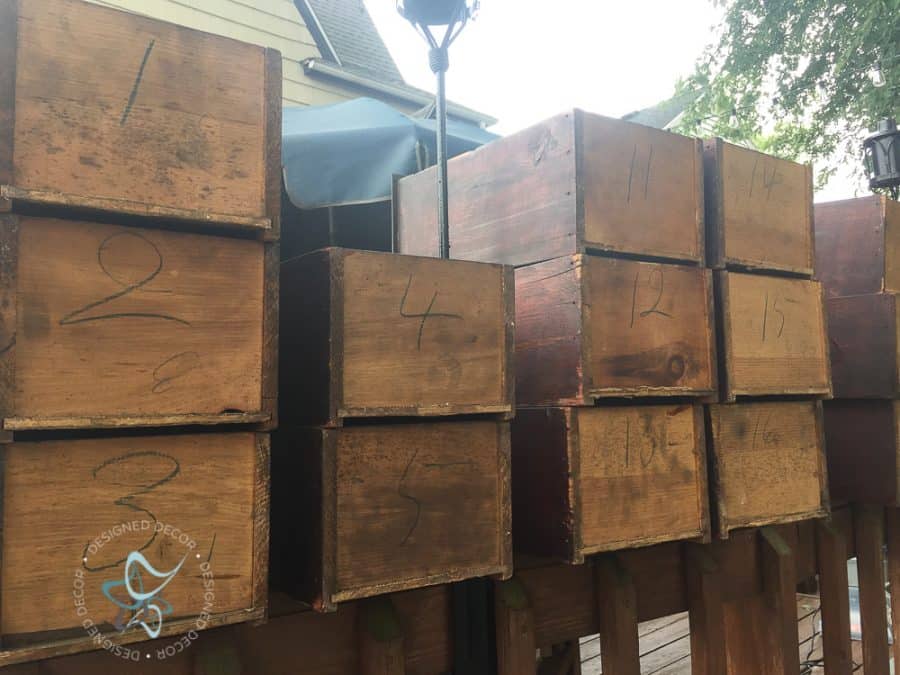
[[69, 514], [110, 326], [587, 480], [767, 462], [365, 510], [108, 110], [367, 334], [773, 336], [759, 211]]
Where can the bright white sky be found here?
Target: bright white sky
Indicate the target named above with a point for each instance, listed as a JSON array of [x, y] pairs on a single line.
[[523, 61]]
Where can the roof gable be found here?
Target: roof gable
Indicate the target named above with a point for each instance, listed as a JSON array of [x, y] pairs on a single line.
[[346, 35]]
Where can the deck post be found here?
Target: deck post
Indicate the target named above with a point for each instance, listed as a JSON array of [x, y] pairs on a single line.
[[617, 601], [831, 553], [514, 624], [868, 525], [380, 638], [706, 612]]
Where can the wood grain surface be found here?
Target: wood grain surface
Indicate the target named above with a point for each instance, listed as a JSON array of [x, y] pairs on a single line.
[[759, 210], [858, 246], [117, 322], [774, 336], [205, 485], [642, 188], [769, 463], [125, 113]]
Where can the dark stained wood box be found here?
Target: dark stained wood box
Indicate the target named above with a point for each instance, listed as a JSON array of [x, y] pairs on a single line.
[[106, 110], [82, 506], [370, 509], [858, 246], [587, 480], [591, 327], [863, 447], [574, 183], [772, 336], [767, 463], [369, 334], [865, 354], [759, 212], [110, 326]]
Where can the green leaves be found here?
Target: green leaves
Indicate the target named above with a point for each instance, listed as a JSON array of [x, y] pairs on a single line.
[[793, 77]]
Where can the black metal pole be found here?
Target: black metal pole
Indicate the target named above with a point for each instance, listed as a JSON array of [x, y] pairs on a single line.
[[439, 64], [443, 197]]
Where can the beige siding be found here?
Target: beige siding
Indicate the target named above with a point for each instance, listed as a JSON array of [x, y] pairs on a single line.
[[270, 23]]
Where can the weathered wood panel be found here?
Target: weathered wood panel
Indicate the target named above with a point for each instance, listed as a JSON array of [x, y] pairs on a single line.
[[173, 124], [865, 352], [116, 326], [207, 494], [574, 183], [773, 336], [587, 480], [759, 212], [858, 246], [591, 327], [364, 510], [768, 463], [862, 443], [374, 334]]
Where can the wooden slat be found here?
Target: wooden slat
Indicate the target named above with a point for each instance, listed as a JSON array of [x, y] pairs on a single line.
[[707, 619], [779, 585], [832, 563], [380, 638], [617, 598], [868, 524], [515, 634], [892, 527]]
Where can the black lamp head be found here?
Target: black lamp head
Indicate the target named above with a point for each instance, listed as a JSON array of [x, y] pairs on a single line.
[[433, 12], [882, 156]]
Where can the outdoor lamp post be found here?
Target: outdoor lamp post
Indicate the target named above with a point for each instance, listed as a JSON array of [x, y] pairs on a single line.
[[425, 15], [882, 157]]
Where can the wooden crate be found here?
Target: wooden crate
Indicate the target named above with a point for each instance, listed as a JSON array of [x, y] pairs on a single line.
[[772, 335], [73, 511], [367, 334], [109, 326], [863, 443], [589, 327], [865, 355], [104, 109], [574, 183], [858, 246], [759, 212], [587, 480], [767, 463], [372, 509]]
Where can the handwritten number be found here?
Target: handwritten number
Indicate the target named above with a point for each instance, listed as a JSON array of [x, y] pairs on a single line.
[[417, 503], [423, 316], [81, 315], [128, 501], [646, 174], [777, 310], [657, 274]]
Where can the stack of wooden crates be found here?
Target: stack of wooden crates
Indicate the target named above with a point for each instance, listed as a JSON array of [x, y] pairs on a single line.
[[857, 243], [614, 330], [140, 185], [766, 436], [391, 469]]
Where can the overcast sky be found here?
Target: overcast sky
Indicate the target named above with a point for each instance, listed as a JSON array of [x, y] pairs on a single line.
[[522, 62]]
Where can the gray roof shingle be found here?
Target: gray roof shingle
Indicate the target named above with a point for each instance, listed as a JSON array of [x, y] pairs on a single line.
[[352, 33]]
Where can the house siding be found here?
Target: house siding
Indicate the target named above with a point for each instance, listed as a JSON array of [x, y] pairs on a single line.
[[269, 23]]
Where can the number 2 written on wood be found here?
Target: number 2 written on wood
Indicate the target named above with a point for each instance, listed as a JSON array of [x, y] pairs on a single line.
[[133, 280]]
